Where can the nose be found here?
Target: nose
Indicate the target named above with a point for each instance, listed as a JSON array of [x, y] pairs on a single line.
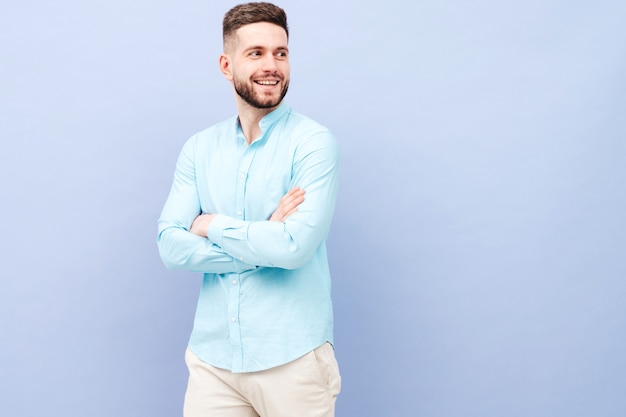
[[269, 63]]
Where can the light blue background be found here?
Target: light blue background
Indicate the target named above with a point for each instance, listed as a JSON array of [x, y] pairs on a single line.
[[478, 247]]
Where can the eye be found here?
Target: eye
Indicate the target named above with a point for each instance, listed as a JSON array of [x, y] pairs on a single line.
[[255, 53], [282, 54]]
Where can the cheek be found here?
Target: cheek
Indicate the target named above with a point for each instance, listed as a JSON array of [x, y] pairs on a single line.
[[245, 72]]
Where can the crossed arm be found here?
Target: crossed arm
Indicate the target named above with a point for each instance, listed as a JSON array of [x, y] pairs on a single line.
[[287, 205], [191, 250], [219, 244]]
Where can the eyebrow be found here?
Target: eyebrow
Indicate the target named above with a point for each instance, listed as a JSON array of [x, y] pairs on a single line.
[[251, 48]]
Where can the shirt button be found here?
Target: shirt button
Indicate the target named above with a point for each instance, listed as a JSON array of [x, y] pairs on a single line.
[[234, 282], [242, 176], [241, 258], [238, 212], [233, 319]]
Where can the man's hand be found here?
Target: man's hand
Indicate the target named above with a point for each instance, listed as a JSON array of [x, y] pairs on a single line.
[[288, 205], [200, 225]]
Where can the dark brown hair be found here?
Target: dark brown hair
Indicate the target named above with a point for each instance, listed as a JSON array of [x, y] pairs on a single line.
[[248, 13]]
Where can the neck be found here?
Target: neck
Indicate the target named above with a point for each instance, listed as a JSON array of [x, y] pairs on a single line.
[[249, 118]]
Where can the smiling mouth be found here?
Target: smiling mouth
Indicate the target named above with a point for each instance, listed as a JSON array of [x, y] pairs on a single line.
[[266, 82]]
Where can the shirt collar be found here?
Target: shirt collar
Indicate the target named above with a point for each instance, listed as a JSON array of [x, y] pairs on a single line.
[[267, 122], [271, 118]]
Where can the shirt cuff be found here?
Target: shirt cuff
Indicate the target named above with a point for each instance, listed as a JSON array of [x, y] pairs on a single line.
[[215, 232]]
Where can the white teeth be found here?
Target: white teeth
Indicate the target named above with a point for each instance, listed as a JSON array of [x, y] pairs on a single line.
[[267, 82]]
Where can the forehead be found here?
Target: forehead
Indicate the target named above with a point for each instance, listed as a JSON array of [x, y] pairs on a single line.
[[263, 34]]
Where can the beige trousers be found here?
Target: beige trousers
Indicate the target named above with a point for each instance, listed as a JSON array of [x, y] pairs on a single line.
[[306, 387]]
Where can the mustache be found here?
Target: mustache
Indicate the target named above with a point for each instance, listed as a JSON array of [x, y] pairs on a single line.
[[274, 75]]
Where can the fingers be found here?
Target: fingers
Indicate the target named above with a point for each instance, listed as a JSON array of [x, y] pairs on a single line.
[[289, 213], [294, 193], [288, 204], [291, 200]]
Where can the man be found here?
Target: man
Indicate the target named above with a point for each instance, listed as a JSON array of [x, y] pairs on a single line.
[[250, 207]]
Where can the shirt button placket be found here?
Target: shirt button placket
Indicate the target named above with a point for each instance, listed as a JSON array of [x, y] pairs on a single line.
[[241, 186], [235, 290], [234, 323]]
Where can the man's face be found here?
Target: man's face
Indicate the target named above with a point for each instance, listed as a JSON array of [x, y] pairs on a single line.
[[260, 64]]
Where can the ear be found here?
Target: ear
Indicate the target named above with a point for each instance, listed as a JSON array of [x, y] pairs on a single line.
[[225, 67]]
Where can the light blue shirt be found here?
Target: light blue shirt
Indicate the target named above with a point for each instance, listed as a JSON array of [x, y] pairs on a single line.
[[265, 298]]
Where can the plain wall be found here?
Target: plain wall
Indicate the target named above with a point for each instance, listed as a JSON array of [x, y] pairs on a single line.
[[478, 246]]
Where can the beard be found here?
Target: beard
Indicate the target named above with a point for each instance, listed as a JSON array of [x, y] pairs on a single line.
[[247, 93]]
